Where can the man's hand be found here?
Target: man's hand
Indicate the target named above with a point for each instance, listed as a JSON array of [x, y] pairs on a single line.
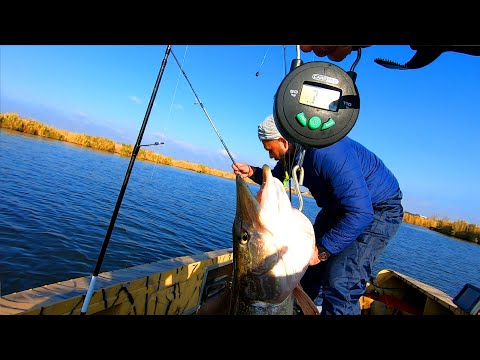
[[314, 260], [319, 254], [244, 170], [333, 52]]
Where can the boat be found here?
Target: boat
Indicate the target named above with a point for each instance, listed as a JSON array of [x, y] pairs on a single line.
[[393, 293], [200, 285]]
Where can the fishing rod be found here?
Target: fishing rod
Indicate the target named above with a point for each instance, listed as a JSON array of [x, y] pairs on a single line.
[[204, 110], [135, 151]]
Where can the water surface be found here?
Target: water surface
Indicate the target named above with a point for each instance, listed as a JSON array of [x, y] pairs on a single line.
[[57, 200]]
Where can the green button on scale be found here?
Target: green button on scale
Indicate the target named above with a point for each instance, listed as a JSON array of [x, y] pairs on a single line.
[[328, 124], [302, 119], [314, 122]]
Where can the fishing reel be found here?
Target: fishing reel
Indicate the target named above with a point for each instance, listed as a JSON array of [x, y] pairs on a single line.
[[317, 103]]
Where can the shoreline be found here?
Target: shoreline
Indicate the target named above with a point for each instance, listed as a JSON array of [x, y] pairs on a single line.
[[13, 122]]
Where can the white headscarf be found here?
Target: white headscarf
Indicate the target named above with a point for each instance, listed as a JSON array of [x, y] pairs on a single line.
[[267, 130]]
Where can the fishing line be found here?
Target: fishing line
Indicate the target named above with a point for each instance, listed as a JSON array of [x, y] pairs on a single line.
[[154, 167], [176, 87], [203, 108], [171, 106], [264, 57]]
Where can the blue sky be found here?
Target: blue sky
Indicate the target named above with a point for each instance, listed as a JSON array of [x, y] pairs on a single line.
[[423, 123]]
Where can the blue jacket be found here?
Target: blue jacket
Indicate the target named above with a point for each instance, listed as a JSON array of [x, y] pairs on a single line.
[[346, 180]]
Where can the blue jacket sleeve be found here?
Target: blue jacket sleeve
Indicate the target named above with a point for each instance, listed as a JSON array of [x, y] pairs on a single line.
[[349, 198]]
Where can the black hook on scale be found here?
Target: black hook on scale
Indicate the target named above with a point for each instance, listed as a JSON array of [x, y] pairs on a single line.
[[135, 151]]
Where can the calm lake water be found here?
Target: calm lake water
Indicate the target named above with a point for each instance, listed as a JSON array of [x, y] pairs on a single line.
[[57, 199]]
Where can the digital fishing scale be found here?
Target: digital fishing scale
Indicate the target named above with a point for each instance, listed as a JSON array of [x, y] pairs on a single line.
[[317, 103]]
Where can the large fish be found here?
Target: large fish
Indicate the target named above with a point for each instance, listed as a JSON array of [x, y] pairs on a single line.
[[272, 245]]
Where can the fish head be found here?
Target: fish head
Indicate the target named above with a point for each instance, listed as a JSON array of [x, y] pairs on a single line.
[[272, 242]]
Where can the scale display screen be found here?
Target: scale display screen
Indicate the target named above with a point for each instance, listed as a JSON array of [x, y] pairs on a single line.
[[319, 97]]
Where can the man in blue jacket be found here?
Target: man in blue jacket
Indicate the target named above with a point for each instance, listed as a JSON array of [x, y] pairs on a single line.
[[361, 210]]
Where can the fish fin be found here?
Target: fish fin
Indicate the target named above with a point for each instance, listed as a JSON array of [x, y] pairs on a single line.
[[303, 300]]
